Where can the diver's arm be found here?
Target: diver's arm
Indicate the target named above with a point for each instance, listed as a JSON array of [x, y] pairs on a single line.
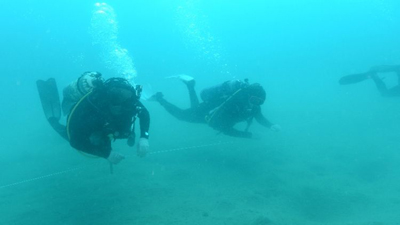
[[144, 117], [260, 118], [265, 122]]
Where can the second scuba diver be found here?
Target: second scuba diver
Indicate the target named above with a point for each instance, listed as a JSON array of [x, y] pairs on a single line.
[[223, 106]]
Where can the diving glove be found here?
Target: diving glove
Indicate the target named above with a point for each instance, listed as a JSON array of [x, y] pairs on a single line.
[[143, 147], [115, 158]]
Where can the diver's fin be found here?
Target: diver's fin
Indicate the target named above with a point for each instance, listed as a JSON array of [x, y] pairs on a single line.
[[49, 97], [183, 77], [186, 79], [354, 78]]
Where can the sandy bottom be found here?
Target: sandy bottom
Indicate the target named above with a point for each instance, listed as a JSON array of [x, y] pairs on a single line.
[[273, 180]]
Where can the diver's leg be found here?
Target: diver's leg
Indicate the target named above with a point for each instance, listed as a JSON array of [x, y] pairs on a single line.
[[97, 143], [59, 128], [380, 85], [175, 111], [194, 100], [394, 92], [190, 83]]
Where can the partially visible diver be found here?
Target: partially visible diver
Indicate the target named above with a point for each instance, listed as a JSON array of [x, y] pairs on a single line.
[[223, 106], [372, 73], [99, 112]]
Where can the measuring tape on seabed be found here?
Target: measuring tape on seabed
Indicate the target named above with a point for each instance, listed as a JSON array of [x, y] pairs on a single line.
[[41, 177], [80, 167], [191, 147]]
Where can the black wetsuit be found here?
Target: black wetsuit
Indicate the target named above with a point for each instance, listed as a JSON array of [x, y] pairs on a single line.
[[221, 114], [382, 88], [237, 109], [91, 126]]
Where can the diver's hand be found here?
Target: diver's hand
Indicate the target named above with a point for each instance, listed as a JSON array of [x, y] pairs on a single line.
[[115, 158], [276, 128], [143, 147]]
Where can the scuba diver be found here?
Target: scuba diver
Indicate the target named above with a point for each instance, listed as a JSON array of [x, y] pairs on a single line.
[[99, 112], [373, 74], [223, 106]]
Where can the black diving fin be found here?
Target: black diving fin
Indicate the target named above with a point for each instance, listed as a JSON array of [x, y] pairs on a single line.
[[49, 97], [354, 78]]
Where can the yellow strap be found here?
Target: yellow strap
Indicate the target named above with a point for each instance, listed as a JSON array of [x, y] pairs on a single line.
[[73, 110], [68, 121]]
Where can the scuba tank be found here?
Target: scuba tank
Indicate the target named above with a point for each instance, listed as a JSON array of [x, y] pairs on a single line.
[[79, 88], [222, 91], [223, 94]]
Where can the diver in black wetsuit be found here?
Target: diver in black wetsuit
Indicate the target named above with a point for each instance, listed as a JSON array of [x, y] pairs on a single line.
[[373, 74], [223, 106], [98, 113]]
